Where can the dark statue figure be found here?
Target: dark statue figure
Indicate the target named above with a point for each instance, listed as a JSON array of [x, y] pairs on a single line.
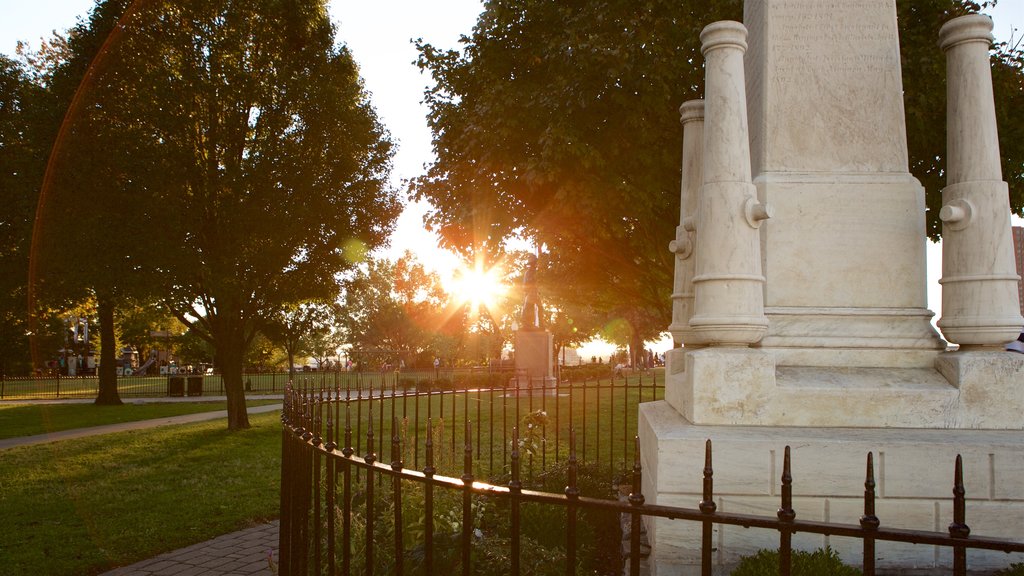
[[532, 311]]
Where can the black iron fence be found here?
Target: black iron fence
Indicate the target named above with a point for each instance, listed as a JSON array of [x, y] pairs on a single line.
[[431, 504], [56, 387]]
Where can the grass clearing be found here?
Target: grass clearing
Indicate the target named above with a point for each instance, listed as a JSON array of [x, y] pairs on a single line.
[[29, 420], [88, 505]]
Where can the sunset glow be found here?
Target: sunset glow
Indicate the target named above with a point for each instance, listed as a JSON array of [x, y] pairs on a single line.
[[478, 287]]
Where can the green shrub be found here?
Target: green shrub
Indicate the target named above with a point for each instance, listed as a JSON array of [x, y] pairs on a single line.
[[821, 562], [586, 372], [1015, 569]]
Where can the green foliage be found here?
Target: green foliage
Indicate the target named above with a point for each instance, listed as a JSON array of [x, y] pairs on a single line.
[[396, 311], [585, 372], [22, 160], [821, 562], [234, 150]]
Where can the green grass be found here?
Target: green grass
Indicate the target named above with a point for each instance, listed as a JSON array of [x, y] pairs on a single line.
[[30, 420], [605, 421], [87, 505]]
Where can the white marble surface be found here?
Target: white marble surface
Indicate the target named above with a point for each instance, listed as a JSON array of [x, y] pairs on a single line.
[[979, 276], [913, 474], [728, 285], [691, 115]]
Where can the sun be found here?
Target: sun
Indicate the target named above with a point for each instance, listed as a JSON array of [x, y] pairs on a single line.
[[477, 286]]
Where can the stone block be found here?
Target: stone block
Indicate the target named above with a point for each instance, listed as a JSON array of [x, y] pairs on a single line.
[[925, 470], [892, 513]]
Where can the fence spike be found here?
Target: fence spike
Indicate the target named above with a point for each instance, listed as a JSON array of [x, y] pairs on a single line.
[[572, 490], [707, 503], [429, 469], [396, 454], [959, 528], [708, 507], [786, 514], [869, 522]]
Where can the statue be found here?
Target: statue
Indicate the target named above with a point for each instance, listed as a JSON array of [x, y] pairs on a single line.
[[531, 315]]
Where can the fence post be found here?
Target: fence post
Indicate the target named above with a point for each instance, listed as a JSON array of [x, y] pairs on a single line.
[[636, 498], [786, 515], [869, 522], [331, 486], [370, 458], [396, 465], [572, 492], [958, 528], [467, 501], [515, 487], [708, 508], [428, 500], [346, 518]]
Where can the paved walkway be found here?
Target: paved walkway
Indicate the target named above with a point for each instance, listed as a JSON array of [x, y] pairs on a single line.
[[247, 552], [125, 426]]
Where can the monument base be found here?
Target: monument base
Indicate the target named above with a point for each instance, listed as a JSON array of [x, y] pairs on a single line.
[[913, 472], [748, 386], [534, 356]]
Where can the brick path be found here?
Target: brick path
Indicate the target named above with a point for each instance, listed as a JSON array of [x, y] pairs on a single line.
[[240, 553]]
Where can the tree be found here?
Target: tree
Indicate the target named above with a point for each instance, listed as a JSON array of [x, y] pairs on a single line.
[[22, 160], [99, 178], [256, 161], [393, 311], [295, 325], [557, 122]]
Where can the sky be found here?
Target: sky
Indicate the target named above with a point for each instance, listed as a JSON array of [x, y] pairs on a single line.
[[379, 34]]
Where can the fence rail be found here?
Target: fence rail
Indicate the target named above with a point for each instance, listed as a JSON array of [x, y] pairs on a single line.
[[337, 495]]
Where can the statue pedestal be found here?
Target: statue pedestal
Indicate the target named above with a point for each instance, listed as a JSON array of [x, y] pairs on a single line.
[[534, 353]]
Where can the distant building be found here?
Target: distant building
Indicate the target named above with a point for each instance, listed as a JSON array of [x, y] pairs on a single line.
[[1018, 250]]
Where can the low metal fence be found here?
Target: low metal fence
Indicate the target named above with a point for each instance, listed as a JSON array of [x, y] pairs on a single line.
[[339, 500], [55, 387]]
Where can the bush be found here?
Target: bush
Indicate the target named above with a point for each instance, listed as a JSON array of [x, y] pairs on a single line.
[[586, 372], [821, 562], [1015, 569]]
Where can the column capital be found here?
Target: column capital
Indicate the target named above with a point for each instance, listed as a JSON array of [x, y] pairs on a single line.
[[691, 110], [723, 34], [969, 28]]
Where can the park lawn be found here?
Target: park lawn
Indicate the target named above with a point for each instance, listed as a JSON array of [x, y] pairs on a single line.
[[29, 420], [87, 505]]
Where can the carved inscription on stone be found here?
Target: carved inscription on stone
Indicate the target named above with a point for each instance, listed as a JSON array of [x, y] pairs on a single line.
[[825, 86]]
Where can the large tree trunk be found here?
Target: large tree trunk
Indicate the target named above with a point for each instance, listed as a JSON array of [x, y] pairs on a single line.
[[232, 359], [108, 353]]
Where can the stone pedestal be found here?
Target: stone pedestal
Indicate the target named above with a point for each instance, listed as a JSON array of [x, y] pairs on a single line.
[[534, 357], [913, 473]]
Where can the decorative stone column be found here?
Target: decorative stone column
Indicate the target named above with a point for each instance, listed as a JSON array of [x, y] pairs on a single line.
[[691, 115], [729, 284], [979, 279]]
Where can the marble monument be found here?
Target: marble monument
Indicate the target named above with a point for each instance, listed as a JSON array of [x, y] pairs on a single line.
[[799, 298]]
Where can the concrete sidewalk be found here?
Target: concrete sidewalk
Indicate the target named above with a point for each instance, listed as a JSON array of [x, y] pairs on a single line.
[[125, 426], [246, 552]]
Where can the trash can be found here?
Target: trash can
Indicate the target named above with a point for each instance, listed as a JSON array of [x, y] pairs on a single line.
[[195, 385], [176, 386]]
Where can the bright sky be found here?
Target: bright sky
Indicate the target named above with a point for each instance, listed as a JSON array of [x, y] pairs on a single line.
[[379, 35]]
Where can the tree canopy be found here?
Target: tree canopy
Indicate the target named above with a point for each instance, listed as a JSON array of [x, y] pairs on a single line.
[[248, 164], [558, 122]]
